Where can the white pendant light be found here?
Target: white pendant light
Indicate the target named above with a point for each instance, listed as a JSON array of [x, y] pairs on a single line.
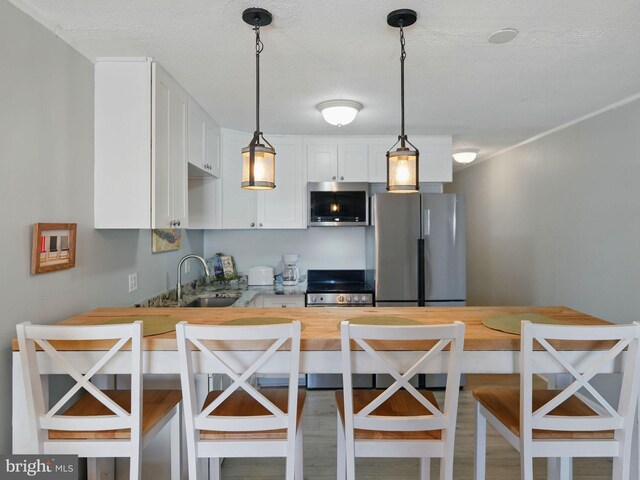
[[402, 164], [259, 157], [339, 112], [465, 156]]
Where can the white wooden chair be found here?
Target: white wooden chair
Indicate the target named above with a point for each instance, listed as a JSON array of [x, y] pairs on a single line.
[[242, 421], [399, 421], [97, 423], [574, 422]]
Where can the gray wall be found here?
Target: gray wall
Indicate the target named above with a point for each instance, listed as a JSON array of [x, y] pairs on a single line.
[[46, 175], [556, 221]]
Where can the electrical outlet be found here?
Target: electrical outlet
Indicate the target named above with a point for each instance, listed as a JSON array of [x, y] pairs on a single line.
[[133, 282], [187, 267]]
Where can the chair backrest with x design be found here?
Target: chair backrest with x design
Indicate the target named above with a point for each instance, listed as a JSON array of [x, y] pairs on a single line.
[[238, 365], [582, 368], [44, 337], [432, 418]]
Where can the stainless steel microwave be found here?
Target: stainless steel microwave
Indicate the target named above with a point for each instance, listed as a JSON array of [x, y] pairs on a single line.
[[338, 204]]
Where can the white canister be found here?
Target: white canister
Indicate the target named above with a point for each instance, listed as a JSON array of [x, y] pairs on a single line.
[[261, 275]]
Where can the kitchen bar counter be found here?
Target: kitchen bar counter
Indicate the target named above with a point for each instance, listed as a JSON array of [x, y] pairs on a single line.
[[321, 331]]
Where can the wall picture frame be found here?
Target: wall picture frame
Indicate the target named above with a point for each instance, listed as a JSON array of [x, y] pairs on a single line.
[[165, 239], [53, 247]]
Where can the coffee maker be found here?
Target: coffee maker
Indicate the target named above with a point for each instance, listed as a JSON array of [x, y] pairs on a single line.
[[290, 274]]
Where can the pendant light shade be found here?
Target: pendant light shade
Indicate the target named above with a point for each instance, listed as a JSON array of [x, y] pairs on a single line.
[[259, 157], [403, 162]]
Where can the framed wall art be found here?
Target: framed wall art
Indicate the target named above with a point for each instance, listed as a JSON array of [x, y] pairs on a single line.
[[165, 239], [54, 247]]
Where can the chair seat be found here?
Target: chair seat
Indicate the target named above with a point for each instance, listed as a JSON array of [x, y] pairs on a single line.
[[402, 403], [504, 404], [241, 404], [155, 406]]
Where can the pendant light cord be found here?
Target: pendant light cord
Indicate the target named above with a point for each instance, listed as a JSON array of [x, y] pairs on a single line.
[[259, 48], [403, 55]]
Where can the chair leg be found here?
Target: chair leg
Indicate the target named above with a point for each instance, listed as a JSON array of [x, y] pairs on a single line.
[[479, 460], [214, 469], [92, 469], [566, 468], [175, 444], [299, 455], [134, 464], [340, 447], [425, 468]]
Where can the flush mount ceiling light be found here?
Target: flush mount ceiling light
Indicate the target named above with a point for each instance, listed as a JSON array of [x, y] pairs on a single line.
[[402, 164], [503, 36], [467, 155], [258, 158], [339, 112]]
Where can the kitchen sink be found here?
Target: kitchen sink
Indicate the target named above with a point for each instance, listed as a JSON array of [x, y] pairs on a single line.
[[212, 302]]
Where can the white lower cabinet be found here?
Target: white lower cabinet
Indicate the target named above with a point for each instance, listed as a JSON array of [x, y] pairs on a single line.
[[278, 301], [282, 207]]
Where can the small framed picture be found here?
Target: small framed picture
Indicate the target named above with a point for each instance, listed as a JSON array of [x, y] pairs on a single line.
[[54, 247]]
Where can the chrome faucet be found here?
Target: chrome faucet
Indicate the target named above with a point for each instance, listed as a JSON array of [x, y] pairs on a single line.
[[182, 260]]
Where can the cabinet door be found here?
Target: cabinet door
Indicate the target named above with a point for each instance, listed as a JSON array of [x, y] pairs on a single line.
[[283, 207], [353, 164], [436, 164], [212, 148], [161, 165], [238, 205], [178, 143], [169, 165], [322, 163], [378, 159], [196, 127], [283, 301]]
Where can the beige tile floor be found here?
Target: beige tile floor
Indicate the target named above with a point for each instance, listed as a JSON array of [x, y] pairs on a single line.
[[319, 423]]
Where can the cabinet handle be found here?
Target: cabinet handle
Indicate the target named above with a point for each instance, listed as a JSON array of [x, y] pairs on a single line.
[[341, 178], [253, 224], [172, 223], [178, 222], [284, 305], [333, 178], [260, 224]]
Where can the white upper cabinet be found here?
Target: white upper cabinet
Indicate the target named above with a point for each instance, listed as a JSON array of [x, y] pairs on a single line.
[[282, 207], [436, 165], [342, 160], [204, 143], [140, 174]]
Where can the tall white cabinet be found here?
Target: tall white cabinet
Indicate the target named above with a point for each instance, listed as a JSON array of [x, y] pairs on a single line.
[[282, 207], [140, 174]]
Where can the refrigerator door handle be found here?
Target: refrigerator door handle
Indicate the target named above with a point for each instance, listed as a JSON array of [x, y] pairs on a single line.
[[426, 220]]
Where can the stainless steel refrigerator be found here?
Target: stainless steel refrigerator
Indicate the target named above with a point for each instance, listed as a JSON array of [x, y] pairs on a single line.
[[415, 249]]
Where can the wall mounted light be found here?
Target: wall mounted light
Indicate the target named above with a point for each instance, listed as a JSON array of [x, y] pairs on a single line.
[[465, 156], [402, 164], [339, 112], [259, 157]]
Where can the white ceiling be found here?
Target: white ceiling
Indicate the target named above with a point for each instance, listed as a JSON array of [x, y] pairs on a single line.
[[572, 57]]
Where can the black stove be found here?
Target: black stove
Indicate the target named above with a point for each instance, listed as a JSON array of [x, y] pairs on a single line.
[[338, 288]]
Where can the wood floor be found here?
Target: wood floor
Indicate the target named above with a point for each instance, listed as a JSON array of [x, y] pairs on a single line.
[[319, 422]]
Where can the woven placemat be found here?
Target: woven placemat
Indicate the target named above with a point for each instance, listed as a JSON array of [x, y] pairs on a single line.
[[395, 321], [511, 323], [152, 325], [259, 321]]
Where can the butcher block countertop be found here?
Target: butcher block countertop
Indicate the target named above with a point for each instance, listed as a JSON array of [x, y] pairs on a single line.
[[321, 324]]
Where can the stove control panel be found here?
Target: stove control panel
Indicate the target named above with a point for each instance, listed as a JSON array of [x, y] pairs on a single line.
[[339, 299]]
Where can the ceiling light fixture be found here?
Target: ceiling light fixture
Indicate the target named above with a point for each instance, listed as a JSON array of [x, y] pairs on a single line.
[[258, 159], [465, 156], [503, 36], [402, 164], [339, 112]]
